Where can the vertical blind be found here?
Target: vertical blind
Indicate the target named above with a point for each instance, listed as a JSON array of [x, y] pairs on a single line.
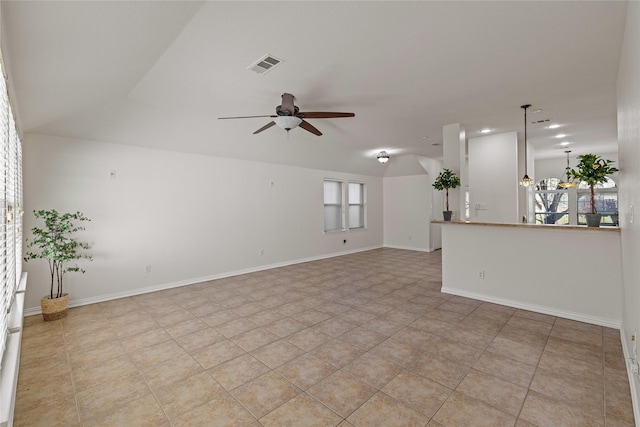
[[10, 211]]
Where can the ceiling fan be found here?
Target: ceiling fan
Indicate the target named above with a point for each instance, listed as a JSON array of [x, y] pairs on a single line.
[[288, 116]]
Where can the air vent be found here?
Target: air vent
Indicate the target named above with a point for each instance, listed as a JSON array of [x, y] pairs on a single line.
[[537, 122], [265, 64]]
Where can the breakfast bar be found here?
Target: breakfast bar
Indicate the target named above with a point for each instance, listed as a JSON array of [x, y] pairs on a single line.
[[541, 268]]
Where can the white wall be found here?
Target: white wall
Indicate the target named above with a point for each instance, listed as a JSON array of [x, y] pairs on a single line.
[[526, 267], [493, 177], [433, 168], [629, 183], [407, 212], [190, 217], [525, 194], [411, 203]]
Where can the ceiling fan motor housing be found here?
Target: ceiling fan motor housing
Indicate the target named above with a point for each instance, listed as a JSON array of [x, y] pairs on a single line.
[[281, 112]]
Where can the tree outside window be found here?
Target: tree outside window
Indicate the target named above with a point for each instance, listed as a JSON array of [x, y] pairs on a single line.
[[551, 203]]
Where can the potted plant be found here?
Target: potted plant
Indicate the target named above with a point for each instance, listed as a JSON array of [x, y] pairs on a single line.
[[446, 180], [56, 243], [592, 169]]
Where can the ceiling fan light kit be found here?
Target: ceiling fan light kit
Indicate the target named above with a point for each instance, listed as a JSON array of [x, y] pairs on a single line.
[[288, 116], [287, 122]]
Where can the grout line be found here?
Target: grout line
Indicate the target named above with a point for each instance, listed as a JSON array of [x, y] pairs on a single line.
[[73, 383], [377, 291]]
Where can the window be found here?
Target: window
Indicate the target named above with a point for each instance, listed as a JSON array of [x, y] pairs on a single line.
[[551, 203], [562, 206], [10, 211], [356, 205], [333, 212], [341, 194], [606, 197]]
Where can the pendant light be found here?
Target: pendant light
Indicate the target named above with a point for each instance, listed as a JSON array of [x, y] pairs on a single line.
[[567, 183], [525, 181]]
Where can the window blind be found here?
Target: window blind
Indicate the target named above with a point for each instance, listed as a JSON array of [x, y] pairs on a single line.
[[333, 205], [10, 212], [356, 205]]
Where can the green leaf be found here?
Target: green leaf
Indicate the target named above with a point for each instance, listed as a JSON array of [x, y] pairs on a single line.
[[55, 242]]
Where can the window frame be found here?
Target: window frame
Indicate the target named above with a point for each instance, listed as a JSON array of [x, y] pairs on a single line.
[[345, 205], [543, 187], [363, 204], [340, 205], [11, 200], [596, 192], [573, 214]]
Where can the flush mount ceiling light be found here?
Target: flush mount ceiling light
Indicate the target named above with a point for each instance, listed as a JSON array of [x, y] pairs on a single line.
[[383, 157], [560, 135], [568, 183], [525, 181], [487, 130], [565, 143], [554, 126]]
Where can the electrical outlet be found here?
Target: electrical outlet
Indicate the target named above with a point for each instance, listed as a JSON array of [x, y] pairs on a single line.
[[481, 274]]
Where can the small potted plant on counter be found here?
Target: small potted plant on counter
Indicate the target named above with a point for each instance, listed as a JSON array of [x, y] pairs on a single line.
[[446, 180], [592, 170], [56, 243]]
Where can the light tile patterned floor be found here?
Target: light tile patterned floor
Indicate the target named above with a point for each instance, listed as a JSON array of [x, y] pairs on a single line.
[[359, 340]]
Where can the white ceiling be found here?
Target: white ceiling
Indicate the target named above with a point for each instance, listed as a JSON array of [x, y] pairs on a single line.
[[158, 74]]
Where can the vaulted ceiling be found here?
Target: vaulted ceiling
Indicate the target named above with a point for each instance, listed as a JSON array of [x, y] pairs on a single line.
[[159, 74]]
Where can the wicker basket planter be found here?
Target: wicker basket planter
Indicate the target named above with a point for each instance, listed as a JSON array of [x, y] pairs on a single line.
[[56, 308]]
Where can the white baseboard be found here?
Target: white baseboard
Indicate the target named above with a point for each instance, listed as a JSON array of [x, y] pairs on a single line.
[[407, 248], [609, 323], [630, 376], [32, 311]]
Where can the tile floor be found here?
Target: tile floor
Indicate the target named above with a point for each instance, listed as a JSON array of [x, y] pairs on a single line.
[[358, 340]]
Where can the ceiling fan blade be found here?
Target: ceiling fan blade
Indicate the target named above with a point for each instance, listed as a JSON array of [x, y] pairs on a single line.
[[287, 104], [323, 115], [244, 117], [307, 126], [265, 127]]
